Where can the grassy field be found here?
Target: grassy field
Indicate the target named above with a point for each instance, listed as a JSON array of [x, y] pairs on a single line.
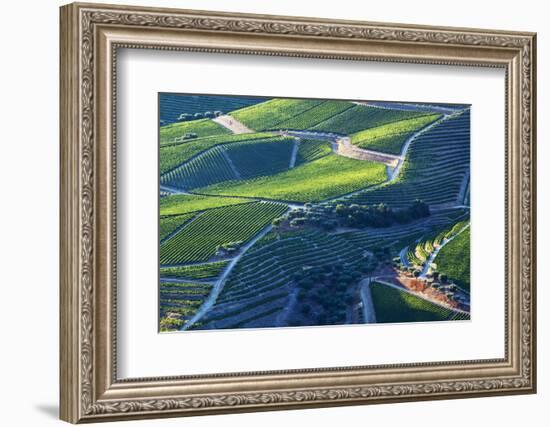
[[198, 241], [394, 306], [175, 154], [327, 177], [183, 203], [454, 260], [202, 127], [195, 272], [390, 137]]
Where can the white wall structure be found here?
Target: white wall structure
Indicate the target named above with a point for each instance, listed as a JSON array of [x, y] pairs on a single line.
[[29, 171]]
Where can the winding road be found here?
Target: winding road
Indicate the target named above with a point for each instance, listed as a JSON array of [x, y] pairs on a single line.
[[369, 313], [342, 146], [232, 124], [431, 258], [219, 284]]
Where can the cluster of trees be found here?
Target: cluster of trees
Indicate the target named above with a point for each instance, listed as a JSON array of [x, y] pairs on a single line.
[[380, 215], [324, 294], [228, 248], [322, 217], [329, 217], [184, 117]]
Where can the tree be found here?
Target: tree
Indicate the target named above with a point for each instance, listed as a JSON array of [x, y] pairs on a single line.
[[297, 222], [340, 209], [277, 222]]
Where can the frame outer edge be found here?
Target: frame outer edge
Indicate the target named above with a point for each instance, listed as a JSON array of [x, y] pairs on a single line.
[[533, 207], [69, 356], [77, 201]]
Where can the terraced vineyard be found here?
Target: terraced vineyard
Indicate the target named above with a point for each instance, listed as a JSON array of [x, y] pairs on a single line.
[[436, 167], [172, 155], [400, 236], [395, 306], [200, 239], [210, 168], [313, 116], [389, 138], [324, 178], [269, 114], [168, 224], [361, 117], [185, 203], [312, 149], [195, 271], [277, 212], [263, 280], [261, 158], [173, 105], [454, 260], [418, 254], [179, 302], [202, 128]]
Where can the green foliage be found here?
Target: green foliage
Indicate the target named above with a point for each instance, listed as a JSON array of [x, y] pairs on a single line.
[[361, 117], [423, 248], [359, 216], [437, 163], [453, 260], [169, 224], [390, 137], [327, 177], [269, 114], [173, 155], [198, 271], [198, 241], [185, 203], [315, 115], [312, 149], [264, 157], [393, 306], [203, 127], [179, 302], [294, 256], [209, 168]]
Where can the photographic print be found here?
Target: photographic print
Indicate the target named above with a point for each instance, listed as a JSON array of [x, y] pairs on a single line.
[[284, 212]]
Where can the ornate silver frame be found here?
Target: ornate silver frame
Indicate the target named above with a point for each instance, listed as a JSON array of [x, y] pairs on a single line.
[[90, 35]]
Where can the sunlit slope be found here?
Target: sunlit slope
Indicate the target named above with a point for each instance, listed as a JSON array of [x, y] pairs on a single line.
[[327, 177]]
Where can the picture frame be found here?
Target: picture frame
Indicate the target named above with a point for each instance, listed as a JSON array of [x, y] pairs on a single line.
[[91, 34]]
